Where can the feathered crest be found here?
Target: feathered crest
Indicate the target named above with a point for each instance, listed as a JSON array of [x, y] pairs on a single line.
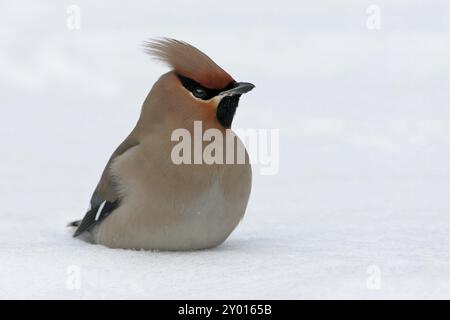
[[189, 62]]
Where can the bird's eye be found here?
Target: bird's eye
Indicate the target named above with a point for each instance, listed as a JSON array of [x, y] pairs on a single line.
[[199, 93]]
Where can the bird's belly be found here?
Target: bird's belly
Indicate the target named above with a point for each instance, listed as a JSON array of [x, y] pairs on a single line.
[[199, 224], [154, 221], [183, 208]]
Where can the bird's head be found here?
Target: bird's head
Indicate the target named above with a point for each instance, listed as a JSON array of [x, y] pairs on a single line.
[[196, 88]]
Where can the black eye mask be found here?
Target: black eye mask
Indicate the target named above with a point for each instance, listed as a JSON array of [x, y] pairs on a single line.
[[199, 91], [227, 106]]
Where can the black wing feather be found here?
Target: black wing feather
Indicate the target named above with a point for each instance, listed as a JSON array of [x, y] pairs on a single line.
[[90, 220], [105, 198]]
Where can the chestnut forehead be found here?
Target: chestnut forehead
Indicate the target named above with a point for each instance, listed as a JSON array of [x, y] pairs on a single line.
[[187, 60]]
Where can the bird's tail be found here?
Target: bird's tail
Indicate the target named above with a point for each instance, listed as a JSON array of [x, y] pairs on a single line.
[[75, 223]]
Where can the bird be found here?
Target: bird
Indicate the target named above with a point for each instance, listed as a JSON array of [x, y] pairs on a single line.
[[145, 201]]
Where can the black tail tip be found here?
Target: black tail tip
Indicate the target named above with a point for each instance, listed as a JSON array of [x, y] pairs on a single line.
[[74, 223]]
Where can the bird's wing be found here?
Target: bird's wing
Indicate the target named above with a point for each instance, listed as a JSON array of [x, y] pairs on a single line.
[[105, 198]]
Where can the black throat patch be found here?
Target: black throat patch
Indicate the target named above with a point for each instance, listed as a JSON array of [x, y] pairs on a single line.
[[226, 110]]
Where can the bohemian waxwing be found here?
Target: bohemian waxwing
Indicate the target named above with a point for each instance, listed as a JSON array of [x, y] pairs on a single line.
[[145, 200]]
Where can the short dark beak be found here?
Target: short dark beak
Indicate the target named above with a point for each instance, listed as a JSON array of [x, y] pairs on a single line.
[[239, 88]]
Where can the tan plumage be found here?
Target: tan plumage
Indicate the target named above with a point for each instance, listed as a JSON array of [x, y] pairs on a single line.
[[144, 200]]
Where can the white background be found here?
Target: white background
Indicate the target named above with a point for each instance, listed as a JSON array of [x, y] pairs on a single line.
[[360, 206]]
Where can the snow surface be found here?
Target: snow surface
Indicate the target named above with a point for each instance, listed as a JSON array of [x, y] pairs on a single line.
[[359, 209]]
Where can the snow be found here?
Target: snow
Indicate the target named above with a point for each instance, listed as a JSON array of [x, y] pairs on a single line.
[[360, 205]]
